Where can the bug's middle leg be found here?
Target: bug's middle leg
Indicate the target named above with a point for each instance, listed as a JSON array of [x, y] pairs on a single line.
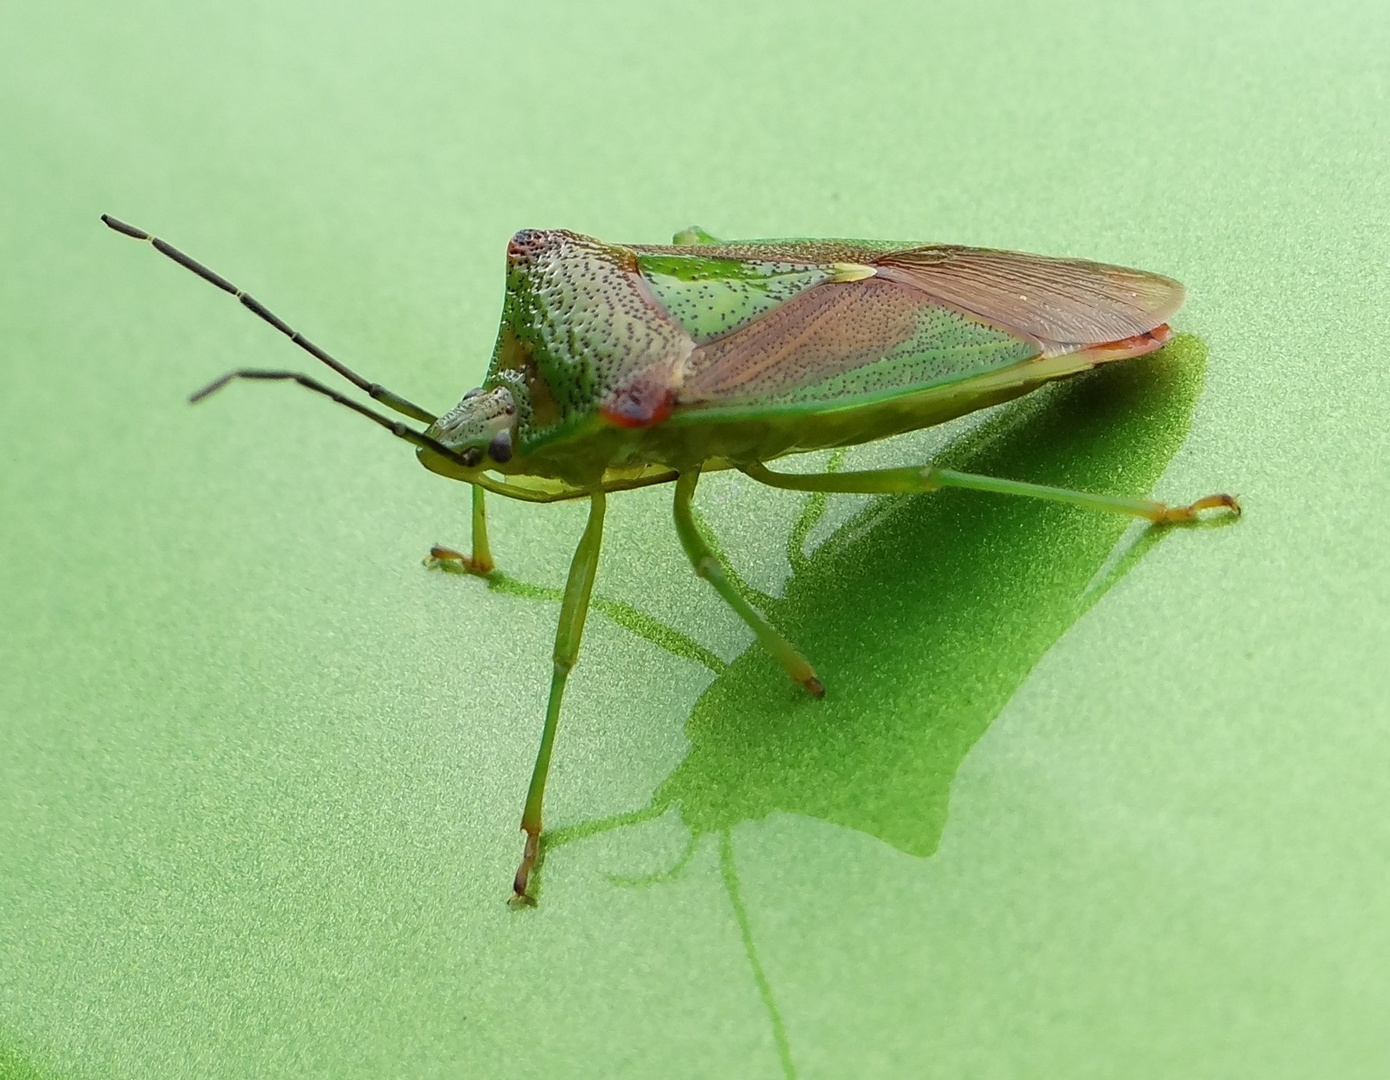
[[707, 566], [923, 478]]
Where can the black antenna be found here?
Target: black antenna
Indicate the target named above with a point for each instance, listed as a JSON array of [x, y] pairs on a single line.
[[395, 427], [375, 390]]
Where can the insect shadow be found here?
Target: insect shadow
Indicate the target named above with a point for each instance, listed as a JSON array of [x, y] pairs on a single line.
[[923, 615]]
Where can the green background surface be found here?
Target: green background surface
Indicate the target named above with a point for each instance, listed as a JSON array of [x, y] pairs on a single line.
[[1080, 801]]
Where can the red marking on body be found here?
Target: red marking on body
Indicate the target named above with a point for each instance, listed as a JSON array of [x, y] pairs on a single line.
[[639, 412], [1137, 345]]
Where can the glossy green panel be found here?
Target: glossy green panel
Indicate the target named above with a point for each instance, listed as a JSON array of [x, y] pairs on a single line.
[[709, 297]]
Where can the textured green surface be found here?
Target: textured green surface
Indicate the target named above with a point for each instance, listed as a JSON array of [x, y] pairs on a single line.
[[709, 297], [260, 772]]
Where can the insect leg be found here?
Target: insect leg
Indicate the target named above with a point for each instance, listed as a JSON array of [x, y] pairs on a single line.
[[707, 566], [1157, 512], [480, 562], [482, 552], [929, 478], [573, 608], [376, 391]]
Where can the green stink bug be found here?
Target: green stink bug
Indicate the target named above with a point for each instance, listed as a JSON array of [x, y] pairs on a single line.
[[622, 365]]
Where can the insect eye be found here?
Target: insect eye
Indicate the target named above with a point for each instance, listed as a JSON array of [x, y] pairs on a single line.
[[500, 449], [473, 393]]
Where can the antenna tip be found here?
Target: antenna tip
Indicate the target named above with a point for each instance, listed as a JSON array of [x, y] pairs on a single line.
[[211, 388], [121, 227]]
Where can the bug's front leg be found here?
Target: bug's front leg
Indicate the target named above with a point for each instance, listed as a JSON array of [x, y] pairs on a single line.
[[921, 478], [480, 562], [707, 566], [573, 608]]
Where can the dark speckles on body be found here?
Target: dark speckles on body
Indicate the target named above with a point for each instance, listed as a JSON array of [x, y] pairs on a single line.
[[841, 342], [589, 321]]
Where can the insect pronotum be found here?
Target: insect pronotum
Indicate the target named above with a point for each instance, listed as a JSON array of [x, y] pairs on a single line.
[[618, 366]]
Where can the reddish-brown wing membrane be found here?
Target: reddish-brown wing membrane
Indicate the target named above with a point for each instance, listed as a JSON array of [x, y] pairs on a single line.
[[1063, 304], [924, 318]]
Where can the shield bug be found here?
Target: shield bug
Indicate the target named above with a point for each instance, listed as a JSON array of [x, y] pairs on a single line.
[[619, 366]]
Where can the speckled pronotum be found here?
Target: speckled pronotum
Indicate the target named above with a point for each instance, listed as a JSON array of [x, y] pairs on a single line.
[[623, 365]]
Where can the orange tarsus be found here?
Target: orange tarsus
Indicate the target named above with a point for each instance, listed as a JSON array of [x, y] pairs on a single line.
[[467, 562], [636, 419], [805, 674], [523, 872], [1178, 515]]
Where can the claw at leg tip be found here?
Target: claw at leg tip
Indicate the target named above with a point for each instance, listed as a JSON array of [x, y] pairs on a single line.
[[1184, 515], [1217, 502], [529, 856], [440, 554]]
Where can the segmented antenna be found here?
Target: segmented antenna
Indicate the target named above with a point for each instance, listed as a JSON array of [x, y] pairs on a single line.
[[395, 427], [376, 391]]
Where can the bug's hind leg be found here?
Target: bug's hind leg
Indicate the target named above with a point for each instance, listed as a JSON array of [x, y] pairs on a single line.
[[707, 566], [929, 478], [480, 562]]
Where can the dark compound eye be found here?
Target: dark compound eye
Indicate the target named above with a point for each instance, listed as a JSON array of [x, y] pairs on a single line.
[[473, 393], [500, 449]]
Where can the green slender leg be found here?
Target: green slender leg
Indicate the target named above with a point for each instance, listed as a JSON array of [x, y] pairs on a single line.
[[480, 562], [760, 600], [482, 553], [928, 478], [572, 611], [707, 566]]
